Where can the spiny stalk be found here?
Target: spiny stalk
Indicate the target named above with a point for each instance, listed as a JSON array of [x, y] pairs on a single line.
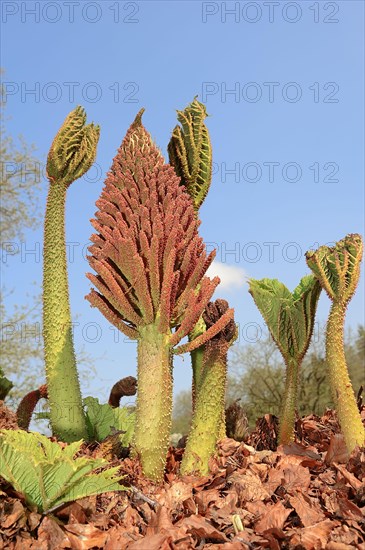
[[337, 269], [208, 423], [72, 153]]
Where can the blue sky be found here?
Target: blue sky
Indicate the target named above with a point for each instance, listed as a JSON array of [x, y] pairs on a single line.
[[283, 85]]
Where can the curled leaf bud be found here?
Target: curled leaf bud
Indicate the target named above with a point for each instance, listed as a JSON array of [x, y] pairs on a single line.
[[338, 268], [213, 312], [190, 152], [73, 150]]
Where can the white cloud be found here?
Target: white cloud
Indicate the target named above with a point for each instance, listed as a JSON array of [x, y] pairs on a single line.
[[231, 276]]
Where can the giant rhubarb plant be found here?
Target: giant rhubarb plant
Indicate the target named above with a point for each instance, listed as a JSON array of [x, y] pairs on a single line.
[[208, 418], [190, 153], [149, 260], [290, 320], [71, 155], [338, 270]]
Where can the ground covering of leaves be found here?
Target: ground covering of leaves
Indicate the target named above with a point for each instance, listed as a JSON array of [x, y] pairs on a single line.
[[309, 495]]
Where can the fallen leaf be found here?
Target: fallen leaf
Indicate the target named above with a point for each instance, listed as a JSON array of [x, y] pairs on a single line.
[[275, 516], [338, 546], [16, 512], [177, 493], [34, 520], [349, 510], [227, 446], [307, 509], [74, 510], [296, 478], [296, 449], [119, 537], [337, 450], [248, 486], [353, 481], [160, 521], [84, 537], [227, 546], [198, 526], [153, 542], [314, 537], [51, 535], [204, 498]]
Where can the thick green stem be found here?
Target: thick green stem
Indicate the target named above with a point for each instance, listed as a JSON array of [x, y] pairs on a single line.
[[66, 412], [197, 356], [154, 401], [207, 419], [342, 391], [287, 418]]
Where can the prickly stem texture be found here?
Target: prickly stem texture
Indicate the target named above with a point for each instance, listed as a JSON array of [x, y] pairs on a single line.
[[64, 395], [222, 433], [27, 405], [207, 419], [338, 271], [208, 424], [197, 356], [290, 399], [343, 393], [154, 401]]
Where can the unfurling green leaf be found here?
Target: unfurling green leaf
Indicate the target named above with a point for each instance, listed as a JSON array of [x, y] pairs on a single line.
[[337, 269], [289, 316], [190, 152], [73, 150], [49, 475], [290, 320], [100, 419]]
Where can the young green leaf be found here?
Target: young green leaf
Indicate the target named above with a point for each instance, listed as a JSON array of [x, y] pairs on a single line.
[[101, 418], [290, 320], [190, 152], [49, 475]]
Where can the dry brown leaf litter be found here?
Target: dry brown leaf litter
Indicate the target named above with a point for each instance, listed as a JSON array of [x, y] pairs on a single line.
[[306, 496]]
